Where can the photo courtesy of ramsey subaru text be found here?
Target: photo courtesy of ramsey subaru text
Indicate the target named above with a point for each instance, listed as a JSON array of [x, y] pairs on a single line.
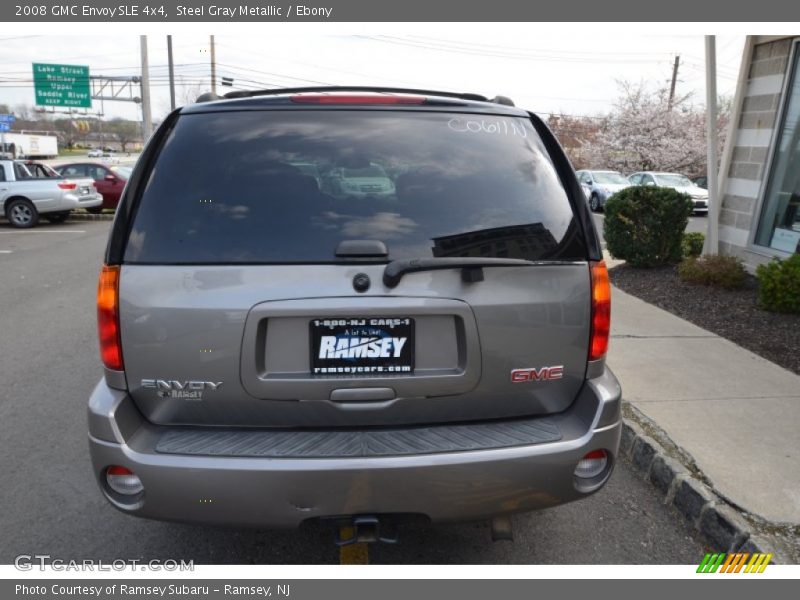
[[355, 305]]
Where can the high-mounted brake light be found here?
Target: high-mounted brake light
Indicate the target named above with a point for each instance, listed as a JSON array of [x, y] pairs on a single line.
[[108, 318], [333, 98], [601, 311], [67, 185]]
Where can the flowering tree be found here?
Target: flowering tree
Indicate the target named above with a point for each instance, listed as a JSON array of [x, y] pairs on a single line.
[[644, 133]]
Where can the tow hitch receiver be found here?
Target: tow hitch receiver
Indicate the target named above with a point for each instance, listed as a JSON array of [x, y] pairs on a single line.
[[365, 529]]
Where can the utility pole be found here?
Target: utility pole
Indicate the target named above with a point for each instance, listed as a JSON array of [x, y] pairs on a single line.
[[674, 81], [147, 116], [711, 245], [213, 67], [171, 73]]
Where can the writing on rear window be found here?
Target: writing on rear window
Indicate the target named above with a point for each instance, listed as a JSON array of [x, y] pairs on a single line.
[[501, 127]]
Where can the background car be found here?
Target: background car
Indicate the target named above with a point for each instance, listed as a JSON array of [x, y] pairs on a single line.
[[360, 181], [677, 182], [109, 180], [25, 197], [95, 153], [86, 191], [599, 186]]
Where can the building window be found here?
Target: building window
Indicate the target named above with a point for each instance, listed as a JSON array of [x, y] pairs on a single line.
[[779, 226]]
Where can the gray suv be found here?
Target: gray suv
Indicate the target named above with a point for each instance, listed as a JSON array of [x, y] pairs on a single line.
[[276, 350]]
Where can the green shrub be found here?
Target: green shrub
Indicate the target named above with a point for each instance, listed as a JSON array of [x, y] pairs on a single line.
[[692, 244], [644, 225], [720, 271], [779, 285]]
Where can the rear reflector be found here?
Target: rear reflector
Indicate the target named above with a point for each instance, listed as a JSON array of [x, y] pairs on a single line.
[[123, 481], [67, 185], [108, 318], [601, 311], [592, 464], [333, 98]]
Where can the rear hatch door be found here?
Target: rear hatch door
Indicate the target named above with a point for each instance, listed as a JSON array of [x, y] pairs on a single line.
[[239, 305]]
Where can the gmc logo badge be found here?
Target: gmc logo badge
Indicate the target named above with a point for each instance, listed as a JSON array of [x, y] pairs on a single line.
[[542, 374]]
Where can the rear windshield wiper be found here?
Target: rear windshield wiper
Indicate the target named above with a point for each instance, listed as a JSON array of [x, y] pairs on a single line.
[[472, 268]]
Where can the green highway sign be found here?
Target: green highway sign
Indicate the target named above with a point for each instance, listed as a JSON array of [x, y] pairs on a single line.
[[62, 85]]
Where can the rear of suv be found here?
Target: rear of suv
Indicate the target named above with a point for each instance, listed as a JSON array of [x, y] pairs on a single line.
[[352, 304]]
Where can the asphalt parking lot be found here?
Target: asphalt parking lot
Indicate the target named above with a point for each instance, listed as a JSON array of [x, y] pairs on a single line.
[[51, 504]]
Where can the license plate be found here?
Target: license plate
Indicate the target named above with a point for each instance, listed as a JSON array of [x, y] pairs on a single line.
[[362, 346]]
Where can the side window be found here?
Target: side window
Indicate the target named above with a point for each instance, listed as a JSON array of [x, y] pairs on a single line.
[[21, 171], [97, 173], [585, 179], [648, 180], [636, 179], [74, 171], [2, 173]]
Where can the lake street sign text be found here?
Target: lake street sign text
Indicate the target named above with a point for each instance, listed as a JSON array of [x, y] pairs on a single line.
[[62, 85]]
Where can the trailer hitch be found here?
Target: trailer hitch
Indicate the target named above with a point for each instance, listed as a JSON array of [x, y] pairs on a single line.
[[366, 529]]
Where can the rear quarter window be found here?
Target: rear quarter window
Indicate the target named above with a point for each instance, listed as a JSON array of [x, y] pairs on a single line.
[[288, 186]]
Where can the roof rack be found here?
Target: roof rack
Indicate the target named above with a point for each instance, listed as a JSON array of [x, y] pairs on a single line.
[[302, 90]]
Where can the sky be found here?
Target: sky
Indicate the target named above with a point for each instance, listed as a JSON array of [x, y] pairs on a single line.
[[570, 73]]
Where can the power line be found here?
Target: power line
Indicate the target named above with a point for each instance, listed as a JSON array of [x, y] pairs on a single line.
[[545, 51], [501, 54]]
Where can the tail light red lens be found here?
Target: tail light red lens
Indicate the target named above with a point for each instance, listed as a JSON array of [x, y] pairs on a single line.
[[108, 318], [373, 98], [601, 311], [67, 185]]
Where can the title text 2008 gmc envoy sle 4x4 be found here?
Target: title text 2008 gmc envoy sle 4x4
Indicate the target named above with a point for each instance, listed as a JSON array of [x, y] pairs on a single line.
[[356, 304]]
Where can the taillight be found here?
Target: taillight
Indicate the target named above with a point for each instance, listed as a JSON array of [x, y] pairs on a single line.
[[371, 98], [601, 311], [108, 317], [67, 185]]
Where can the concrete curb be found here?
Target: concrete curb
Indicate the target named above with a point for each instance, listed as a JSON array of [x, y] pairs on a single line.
[[76, 216], [718, 521]]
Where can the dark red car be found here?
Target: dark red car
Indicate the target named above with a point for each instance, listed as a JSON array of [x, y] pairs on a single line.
[[108, 179]]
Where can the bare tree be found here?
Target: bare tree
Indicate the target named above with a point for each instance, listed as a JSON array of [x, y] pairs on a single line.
[[577, 135], [125, 132], [188, 91]]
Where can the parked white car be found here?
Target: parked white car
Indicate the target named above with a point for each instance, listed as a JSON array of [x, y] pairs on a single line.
[[676, 181], [24, 197], [95, 153]]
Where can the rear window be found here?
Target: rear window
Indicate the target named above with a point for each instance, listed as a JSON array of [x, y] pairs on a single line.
[[289, 186]]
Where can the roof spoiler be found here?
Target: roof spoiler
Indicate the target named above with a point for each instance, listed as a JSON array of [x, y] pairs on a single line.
[[211, 96]]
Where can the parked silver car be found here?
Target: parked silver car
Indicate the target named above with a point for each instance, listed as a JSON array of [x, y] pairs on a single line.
[[599, 186], [276, 352], [675, 181], [24, 198]]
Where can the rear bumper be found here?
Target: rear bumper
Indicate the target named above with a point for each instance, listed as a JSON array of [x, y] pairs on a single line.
[[72, 201], [90, 201], [265, 491]]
